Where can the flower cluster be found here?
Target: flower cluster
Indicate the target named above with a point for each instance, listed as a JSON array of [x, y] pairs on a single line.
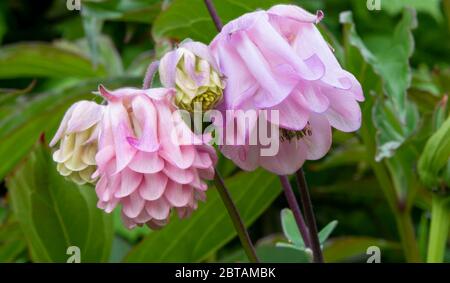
[[141, 155]]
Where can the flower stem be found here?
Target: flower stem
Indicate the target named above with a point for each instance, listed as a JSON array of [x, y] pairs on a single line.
[[235, 218], [309, 216], [440, 221], [150, 74], [293, 204], [213, 12]]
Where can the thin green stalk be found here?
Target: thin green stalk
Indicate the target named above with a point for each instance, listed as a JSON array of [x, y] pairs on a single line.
[[401, 213], [440, 220], [235, 218]]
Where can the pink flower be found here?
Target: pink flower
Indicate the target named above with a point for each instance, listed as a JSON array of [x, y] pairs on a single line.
[[142, 165], [278, 60], [77, 136], [192, 71]]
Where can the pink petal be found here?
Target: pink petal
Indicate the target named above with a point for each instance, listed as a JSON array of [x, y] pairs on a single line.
[[167, 68], [288, 160], [177, 194], [158, 209], [130, 181], [85, 115], [146, 116], [292, 115], [121, 126], [344, 113], [296, 13], [63, 126], [153, 186], [133, 205], [182, 176], [146, 162], [319, 143], [244, 156]]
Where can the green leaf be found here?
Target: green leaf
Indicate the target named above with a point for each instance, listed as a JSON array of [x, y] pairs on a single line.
[[393, 115], [12, 242], [268, 254], [348, 248], [431, 7], [326, 231], [21, 129], [131, 236], [190, 18], [210, 227], [142, 11], [435, 157], [290, 228], [55, 214], [44, 60]]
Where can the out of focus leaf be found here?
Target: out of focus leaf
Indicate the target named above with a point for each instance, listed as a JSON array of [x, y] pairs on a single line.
[[12, 242], [431, 7], [22, 127], [271, 254], [120, 248], [190, 18], [92, 29], [394, 116], [348, 248], [210, 227], [55, 214], [435, 156], [44, 60], [143, 11], [131, 236], [282, 255], [348, 155]]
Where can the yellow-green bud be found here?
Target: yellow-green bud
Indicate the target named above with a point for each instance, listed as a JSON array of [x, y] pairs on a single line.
[[193, 72]]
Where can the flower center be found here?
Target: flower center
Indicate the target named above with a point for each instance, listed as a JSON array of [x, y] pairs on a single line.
[[288, 135], [207, 100]]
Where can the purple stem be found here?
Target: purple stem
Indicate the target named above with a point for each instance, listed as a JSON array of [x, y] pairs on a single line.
[[150, 74], [213, 12], [293, 204], [309, 216]]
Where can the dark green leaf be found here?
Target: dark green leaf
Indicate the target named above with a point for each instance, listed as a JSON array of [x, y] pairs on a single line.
[[55, 214], [347, 248], [44, 60], [21, 129]]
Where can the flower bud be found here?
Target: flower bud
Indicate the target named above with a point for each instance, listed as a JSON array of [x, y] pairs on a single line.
[[193, 72], [77, 137]]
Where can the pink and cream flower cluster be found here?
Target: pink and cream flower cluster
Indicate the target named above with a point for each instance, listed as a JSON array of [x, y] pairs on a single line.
[[141, 155]]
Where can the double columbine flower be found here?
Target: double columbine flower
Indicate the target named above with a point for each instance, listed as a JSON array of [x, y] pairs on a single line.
[[77, 135], [147, 159], [193, 71], [278, 60], [144, 160]]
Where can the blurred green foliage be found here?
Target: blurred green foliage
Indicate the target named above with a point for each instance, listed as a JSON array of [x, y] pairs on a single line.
[[51, 57]]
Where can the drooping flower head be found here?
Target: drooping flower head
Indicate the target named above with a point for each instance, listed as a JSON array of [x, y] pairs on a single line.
[[78, 135], [142, 162], [193, 72], [278, 60]]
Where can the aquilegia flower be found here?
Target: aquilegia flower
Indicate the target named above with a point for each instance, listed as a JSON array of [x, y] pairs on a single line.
[[143, 163], [192, 70], [278, 60], [78, 135]]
